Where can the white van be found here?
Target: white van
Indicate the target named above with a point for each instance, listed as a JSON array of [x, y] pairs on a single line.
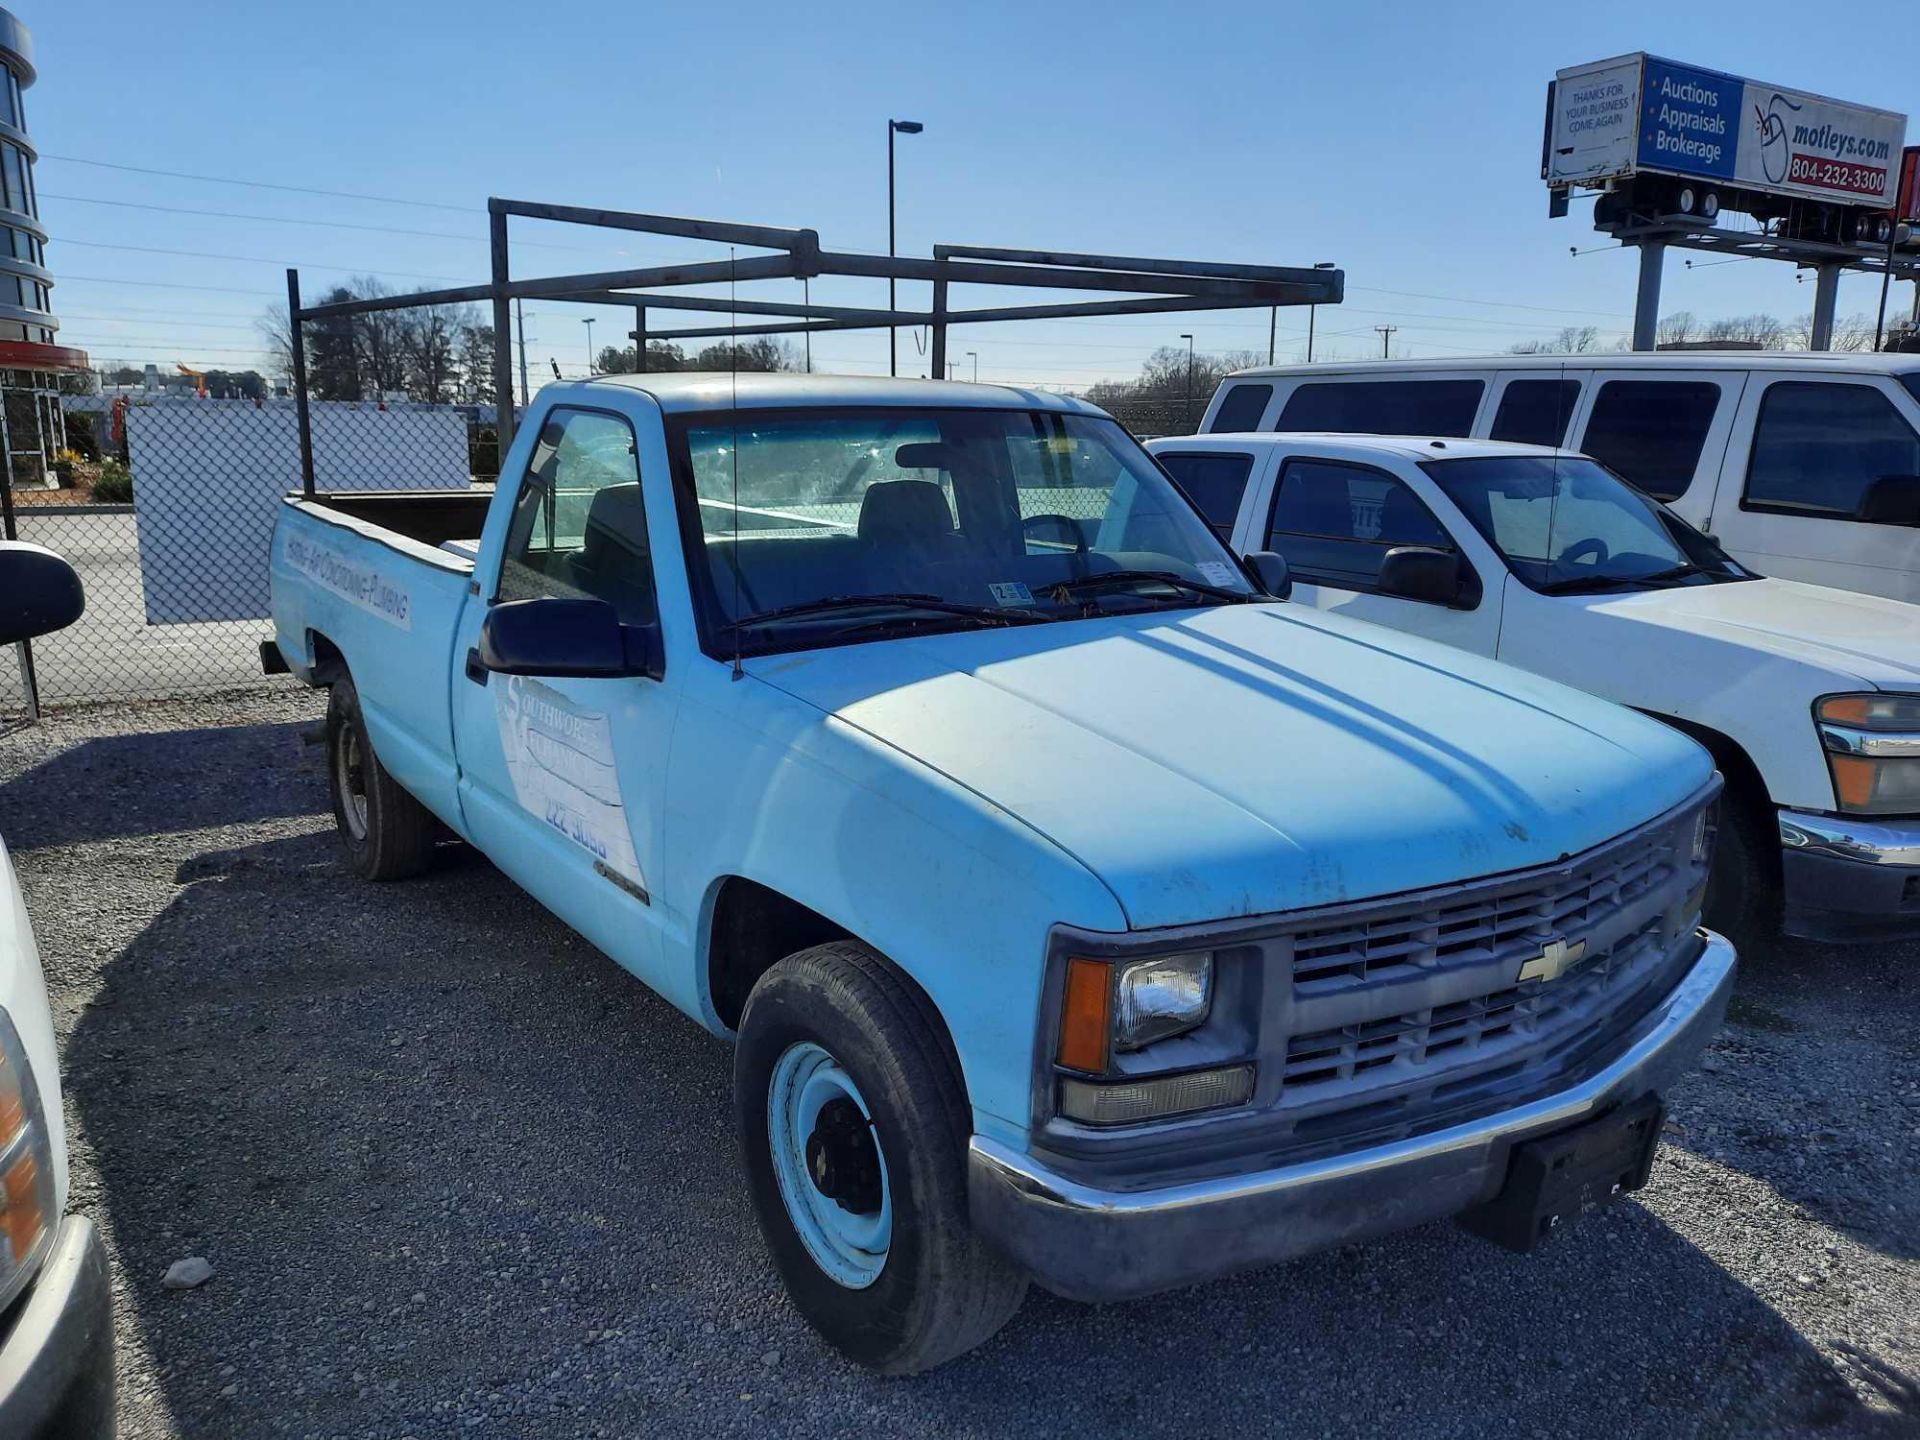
[[1803, 465]]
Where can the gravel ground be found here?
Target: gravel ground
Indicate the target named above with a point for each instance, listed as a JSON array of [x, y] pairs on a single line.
[[457, 1174]]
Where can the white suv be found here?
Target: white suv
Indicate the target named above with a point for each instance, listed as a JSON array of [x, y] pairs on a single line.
[[1803, 465]]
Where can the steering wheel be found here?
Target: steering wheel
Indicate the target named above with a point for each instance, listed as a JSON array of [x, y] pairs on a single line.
[[1064, 522], [1580, 550]]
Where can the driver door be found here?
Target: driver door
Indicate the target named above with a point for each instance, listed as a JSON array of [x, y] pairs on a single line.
[[561, 779]]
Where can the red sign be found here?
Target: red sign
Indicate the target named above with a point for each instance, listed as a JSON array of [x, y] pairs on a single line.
[[29, 355], [1907, 207]]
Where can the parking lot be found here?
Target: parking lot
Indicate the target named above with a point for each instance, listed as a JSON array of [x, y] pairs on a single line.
[[458, 1174]]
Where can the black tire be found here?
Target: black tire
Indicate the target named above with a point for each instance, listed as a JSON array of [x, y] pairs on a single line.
[[1743, 883], [388, 834], [941, 1289]]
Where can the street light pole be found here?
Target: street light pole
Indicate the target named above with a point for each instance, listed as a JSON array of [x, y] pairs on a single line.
[[1311, 310], [974, 355], [588, 322], [894, 127], [1189, 407]]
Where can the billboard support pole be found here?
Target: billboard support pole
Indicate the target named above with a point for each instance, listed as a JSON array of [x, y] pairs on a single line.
[[1826, 293], [1646, 305]]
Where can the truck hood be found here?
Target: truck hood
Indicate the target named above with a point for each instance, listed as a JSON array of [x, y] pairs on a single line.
[[1854, 637], [1249, 759]]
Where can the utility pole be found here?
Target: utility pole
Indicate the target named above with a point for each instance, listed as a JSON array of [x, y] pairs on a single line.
[[588, 322], [974, 355], [1273, 330], [1386, 340], [520, 320], [894, 127]]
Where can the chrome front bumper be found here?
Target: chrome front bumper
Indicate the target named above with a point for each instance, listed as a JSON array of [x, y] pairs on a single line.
[[1846, 877], [1095, 1244]]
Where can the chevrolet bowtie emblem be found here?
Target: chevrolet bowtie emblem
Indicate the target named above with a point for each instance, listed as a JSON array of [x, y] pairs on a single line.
[[1552, 961]]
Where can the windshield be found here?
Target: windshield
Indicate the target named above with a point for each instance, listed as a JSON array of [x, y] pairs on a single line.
[[860, 524], [1566, 523]]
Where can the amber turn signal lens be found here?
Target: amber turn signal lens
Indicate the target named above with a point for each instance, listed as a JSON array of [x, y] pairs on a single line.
[[1853, 780], [20, 1207], [1845, 709], [1086, 1015]]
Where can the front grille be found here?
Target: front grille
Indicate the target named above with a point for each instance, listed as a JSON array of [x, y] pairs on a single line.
[[1516, 1012], [1400, 1012], [1476, 927]]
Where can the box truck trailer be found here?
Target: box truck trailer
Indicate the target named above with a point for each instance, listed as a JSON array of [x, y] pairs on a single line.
[[1662, 139]]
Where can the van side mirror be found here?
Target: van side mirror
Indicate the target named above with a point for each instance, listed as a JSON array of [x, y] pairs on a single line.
[[1891, 500], [39, 592], [564, 638], [1421, 572], [1270, 568]]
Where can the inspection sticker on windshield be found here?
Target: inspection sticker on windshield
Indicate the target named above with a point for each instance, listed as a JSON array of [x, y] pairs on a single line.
[[1217, 572], [1010, 592], [560, 759]]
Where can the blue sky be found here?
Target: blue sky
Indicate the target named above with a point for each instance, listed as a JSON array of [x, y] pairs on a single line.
[[1400, 140]]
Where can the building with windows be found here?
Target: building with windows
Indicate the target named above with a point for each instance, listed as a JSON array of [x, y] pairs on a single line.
[[32, 361]]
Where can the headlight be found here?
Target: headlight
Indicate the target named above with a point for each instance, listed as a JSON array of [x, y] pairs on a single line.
[[1873, 751], [1161, 997], [26, 1169]]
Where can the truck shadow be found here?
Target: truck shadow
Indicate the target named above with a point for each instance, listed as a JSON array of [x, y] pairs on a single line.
[[449, 1161], [149, 783]]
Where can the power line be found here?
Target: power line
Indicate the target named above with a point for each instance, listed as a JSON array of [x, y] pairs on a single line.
[[172, 285], [262, 184], [248, 259], [292, 220]]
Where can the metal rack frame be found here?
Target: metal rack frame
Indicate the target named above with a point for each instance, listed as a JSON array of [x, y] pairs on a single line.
[[1149, 286]]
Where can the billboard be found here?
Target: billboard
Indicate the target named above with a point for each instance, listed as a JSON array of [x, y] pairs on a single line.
[[1640, 113]]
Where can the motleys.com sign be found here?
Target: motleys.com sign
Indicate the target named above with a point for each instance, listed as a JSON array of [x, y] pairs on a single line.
[[1643, 113], [1701, 122]]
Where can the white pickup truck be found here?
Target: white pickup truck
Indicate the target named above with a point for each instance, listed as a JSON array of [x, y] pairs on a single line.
[[1081, 912], [1808, 698]]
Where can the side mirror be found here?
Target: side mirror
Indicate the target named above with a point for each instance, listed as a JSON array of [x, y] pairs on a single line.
[[1891, 500], [1270, 568], [39, 592], [1421, 572], [581, 639]]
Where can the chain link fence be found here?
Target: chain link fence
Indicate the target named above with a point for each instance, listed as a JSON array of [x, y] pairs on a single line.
[[169, 524]]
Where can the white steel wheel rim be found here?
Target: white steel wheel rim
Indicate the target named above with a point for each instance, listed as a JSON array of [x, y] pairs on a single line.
[[350, 775], [851, 1249]]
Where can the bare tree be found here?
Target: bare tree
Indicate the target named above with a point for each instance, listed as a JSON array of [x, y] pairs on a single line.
[[1675, 329]]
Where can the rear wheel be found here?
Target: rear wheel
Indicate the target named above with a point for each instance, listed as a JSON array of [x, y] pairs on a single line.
[[853, 1124], [387, 833]]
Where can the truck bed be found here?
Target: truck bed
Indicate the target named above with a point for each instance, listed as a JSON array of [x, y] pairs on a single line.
[[431, 517]]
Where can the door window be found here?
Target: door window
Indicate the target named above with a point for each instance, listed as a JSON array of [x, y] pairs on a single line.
[[1535, 412], [1215, 482], [1335, 523], [1241, 408], [1817, 447], [579, 529], [1384, 407], [1651, 432]]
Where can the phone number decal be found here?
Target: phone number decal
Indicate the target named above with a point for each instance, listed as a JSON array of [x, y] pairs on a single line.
[[1837, 175]]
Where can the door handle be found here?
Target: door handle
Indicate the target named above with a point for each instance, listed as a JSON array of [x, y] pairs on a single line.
[[476, 672]]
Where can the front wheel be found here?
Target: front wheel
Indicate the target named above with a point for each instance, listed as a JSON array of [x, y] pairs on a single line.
[[1743, 884], [853, 1125]]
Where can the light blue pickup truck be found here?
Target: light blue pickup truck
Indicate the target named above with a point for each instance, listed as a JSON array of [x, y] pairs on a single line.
[[1082, 911]]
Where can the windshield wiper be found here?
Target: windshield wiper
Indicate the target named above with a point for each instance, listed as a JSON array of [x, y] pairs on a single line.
[[1581, 584], [1113, 579], [829, 604]]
